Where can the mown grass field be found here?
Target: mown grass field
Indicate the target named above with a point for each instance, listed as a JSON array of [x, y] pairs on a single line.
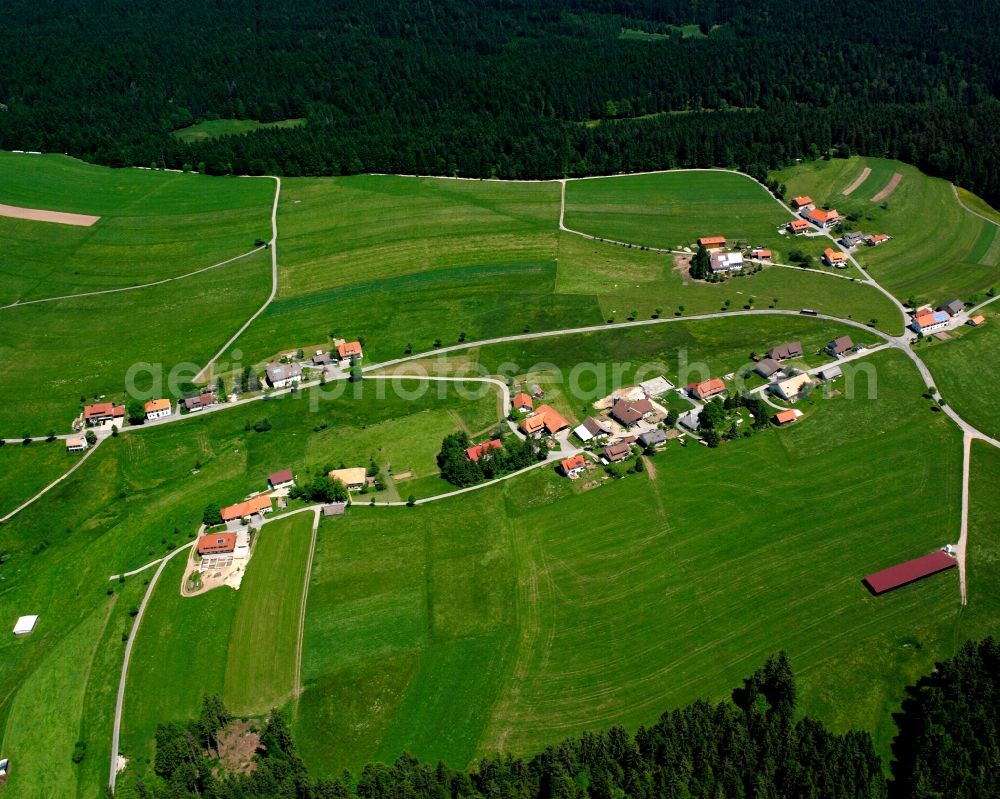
[[404, 261], [214, 128], [528, 612], [54, 353], [133, 500], [940, 251], [965, 368], [260, 664], [671, 210], [26, 470], [153, 225]]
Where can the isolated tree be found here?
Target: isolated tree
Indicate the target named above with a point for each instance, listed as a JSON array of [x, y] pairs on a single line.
[[135, 412], [211, 516]]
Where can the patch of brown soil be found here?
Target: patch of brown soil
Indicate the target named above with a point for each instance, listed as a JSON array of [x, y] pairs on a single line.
[[39, 215], [857, 181], [237, 746], [682, 265], [890, 187]]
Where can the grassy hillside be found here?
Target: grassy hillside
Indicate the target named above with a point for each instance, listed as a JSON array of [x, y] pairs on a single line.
[[213, 128], [153, 225], [940, 251], [54, 353], [25, 470], [963, 367], [549, 614], [672, 210]]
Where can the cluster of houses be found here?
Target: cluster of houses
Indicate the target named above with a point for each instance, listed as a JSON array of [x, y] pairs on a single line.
[[927, 319], [540, 421], [809, 213], [235, 542], [288, 372], [632, 420], [721, 260]]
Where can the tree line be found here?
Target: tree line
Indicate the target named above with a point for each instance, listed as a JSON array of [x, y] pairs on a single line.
[[461, 470], [510, 90]]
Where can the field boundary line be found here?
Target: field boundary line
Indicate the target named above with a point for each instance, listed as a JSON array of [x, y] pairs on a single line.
[[963, 538], [273, 244], [856, 183], [54, 483], [120, 701], [958, 197], [297, 691], [120, 289]]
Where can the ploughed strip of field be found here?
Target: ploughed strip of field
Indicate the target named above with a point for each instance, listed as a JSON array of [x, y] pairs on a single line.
[[890, 187], [858, 181], [39, 215]]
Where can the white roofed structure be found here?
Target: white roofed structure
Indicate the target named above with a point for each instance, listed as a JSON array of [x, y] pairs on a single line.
[[25, 625]]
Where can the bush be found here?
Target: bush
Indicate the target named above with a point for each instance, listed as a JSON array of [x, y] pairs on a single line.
[[79, 751], [262, 426]]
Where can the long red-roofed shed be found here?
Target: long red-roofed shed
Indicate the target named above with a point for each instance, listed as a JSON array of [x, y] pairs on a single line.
[[905, 573]]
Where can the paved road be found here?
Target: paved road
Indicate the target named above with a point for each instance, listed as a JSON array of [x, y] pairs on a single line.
[[120, 700], [53, 484], [228, 261], [963, 538], [273, 244]]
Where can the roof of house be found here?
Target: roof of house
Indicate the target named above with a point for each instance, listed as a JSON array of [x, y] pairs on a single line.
[[798, 224], [830, 372], [926, 318], [595, 426], [283, 476], [157, 405], [656, 386], [574, 462], [617, 451], [532, 424], [474, 452], [903, 573], [791, 386], [853, 235], [840, 344], [790, 349], [217, 542], [247, 508], [322, 358], [651, 437], [761, 253], [805, 199], [834, 256], [767, 367], [282, 371], [522, 400], [199, 401], [978, 319], [953, 307], [711, 241], [103, 409], [625, 412], [707, 387], [721, 261], [349, 349], [821, 216], [76, 441], [552, 420], [786, 416], [334, 509], [352, 476], [880, 237]]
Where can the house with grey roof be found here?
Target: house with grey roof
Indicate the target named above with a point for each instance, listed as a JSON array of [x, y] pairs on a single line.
[[767, 367], [283, 375], [652, 438], [953, 308], [830, 373]]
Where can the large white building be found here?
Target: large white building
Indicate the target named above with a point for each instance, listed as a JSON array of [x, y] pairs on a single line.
[[726, 262], [283, 375]]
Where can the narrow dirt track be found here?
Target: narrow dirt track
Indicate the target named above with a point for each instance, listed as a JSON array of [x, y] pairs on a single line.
[[890, 187], [857, 181]]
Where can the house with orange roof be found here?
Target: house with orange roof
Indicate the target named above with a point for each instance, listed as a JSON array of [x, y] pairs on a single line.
[[797, 226], [475, 452], [572, 466], [804, 202], [545, 419], [927, 321], [712, 243], [821, 218], [349, 351], [876, 239], [217, 544], [522, 402], [833, 257], [260, 504], [787, 416], [101, 412], [977, 321], [761, 254], [707, 389], [157, 409]]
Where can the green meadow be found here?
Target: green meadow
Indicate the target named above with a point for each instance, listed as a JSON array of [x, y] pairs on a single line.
[[26, 470], [214, 128], [939, 250], [527, 612], [964, 368], [153, 225], [138, 497], [672, 210], [56, 353]]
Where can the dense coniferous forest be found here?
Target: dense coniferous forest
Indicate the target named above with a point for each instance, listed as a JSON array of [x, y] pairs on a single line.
[[508, 89]]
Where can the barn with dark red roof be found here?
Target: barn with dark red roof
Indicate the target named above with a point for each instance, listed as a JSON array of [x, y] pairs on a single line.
[[908, 572]]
